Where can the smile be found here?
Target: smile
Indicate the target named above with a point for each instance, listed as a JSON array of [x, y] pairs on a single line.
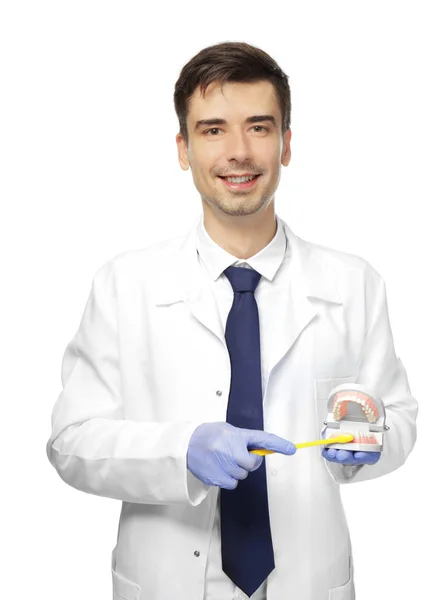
[[240, 183]]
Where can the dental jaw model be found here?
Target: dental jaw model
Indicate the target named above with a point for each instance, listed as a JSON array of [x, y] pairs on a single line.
[[354, 409]]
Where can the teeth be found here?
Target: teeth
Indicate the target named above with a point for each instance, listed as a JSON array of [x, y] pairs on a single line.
[[340, 406], [360, 437], [240, 179]]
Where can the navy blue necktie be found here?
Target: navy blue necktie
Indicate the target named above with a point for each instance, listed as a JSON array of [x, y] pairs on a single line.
[[246, 541]]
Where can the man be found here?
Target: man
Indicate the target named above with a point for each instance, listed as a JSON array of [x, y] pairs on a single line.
[[228, 338]]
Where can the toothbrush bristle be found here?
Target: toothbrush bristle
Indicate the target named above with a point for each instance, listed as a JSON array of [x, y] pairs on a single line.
[[360, 437]]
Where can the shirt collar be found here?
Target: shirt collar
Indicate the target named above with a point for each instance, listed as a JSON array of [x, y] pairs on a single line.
[[216, 259]]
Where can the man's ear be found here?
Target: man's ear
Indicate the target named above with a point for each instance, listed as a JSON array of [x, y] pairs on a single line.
[[182, 152], [286, 155]]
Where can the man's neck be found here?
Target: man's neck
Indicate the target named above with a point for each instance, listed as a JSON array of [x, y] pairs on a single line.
[[241, 236]]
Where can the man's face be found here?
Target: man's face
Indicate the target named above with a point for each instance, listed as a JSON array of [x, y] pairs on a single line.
[[235, 147]]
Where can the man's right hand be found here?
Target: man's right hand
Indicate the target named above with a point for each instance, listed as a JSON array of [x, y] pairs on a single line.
[[218, 452]]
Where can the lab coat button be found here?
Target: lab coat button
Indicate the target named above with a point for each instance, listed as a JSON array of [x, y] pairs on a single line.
[[196, 553], [219, 392], [274, 471]]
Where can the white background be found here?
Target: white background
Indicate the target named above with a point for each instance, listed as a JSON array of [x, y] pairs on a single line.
[[89, 169]]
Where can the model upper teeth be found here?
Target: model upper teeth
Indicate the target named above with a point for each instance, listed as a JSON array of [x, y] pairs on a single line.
[[240, 179], [368, 407]]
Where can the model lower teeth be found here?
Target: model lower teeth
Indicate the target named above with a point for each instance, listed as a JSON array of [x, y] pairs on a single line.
[[360, 437]]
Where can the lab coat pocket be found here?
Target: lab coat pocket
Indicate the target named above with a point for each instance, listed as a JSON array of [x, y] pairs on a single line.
[[123, 588], [323, 387], [346, 591]]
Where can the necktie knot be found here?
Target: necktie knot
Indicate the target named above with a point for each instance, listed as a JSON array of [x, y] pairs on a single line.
[[242, 279]]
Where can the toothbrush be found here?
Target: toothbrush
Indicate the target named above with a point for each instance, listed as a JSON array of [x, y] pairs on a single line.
[[339, 439]]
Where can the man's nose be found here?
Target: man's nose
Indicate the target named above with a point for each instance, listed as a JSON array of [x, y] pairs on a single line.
[[238, 147]]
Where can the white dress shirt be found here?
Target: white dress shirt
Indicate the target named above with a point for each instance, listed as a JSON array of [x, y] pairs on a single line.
[[214, 260]]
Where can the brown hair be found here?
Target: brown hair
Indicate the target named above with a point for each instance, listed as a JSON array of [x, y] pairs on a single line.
[[229, 61]]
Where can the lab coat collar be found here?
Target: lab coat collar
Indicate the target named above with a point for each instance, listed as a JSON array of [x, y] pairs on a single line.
[[181, 277]]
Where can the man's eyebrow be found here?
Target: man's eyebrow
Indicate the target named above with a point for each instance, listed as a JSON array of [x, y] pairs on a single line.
[[254, 119]]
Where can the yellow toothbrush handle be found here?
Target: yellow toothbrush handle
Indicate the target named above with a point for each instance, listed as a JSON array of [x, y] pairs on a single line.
[[341, 439], [319, 442]]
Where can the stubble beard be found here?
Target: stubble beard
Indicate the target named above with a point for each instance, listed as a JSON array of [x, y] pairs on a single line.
[[237, 204]]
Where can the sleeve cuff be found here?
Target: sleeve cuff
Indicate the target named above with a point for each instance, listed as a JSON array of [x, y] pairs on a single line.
[[342, 473], [196, 490]]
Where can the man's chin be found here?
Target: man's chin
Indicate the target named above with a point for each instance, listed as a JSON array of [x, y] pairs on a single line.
[[239, 206]]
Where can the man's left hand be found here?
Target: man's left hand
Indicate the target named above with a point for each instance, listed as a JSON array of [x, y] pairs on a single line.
[[348, 457]]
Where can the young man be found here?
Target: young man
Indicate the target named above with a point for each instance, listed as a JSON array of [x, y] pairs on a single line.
[[230, 337]]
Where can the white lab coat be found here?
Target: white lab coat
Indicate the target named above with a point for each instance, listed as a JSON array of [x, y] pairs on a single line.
[[149, 363]]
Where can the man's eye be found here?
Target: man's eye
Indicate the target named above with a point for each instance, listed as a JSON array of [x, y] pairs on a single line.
[[212, 129]]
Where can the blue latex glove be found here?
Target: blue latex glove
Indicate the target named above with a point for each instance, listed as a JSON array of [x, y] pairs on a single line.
[[218, 452], [349, 457]]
